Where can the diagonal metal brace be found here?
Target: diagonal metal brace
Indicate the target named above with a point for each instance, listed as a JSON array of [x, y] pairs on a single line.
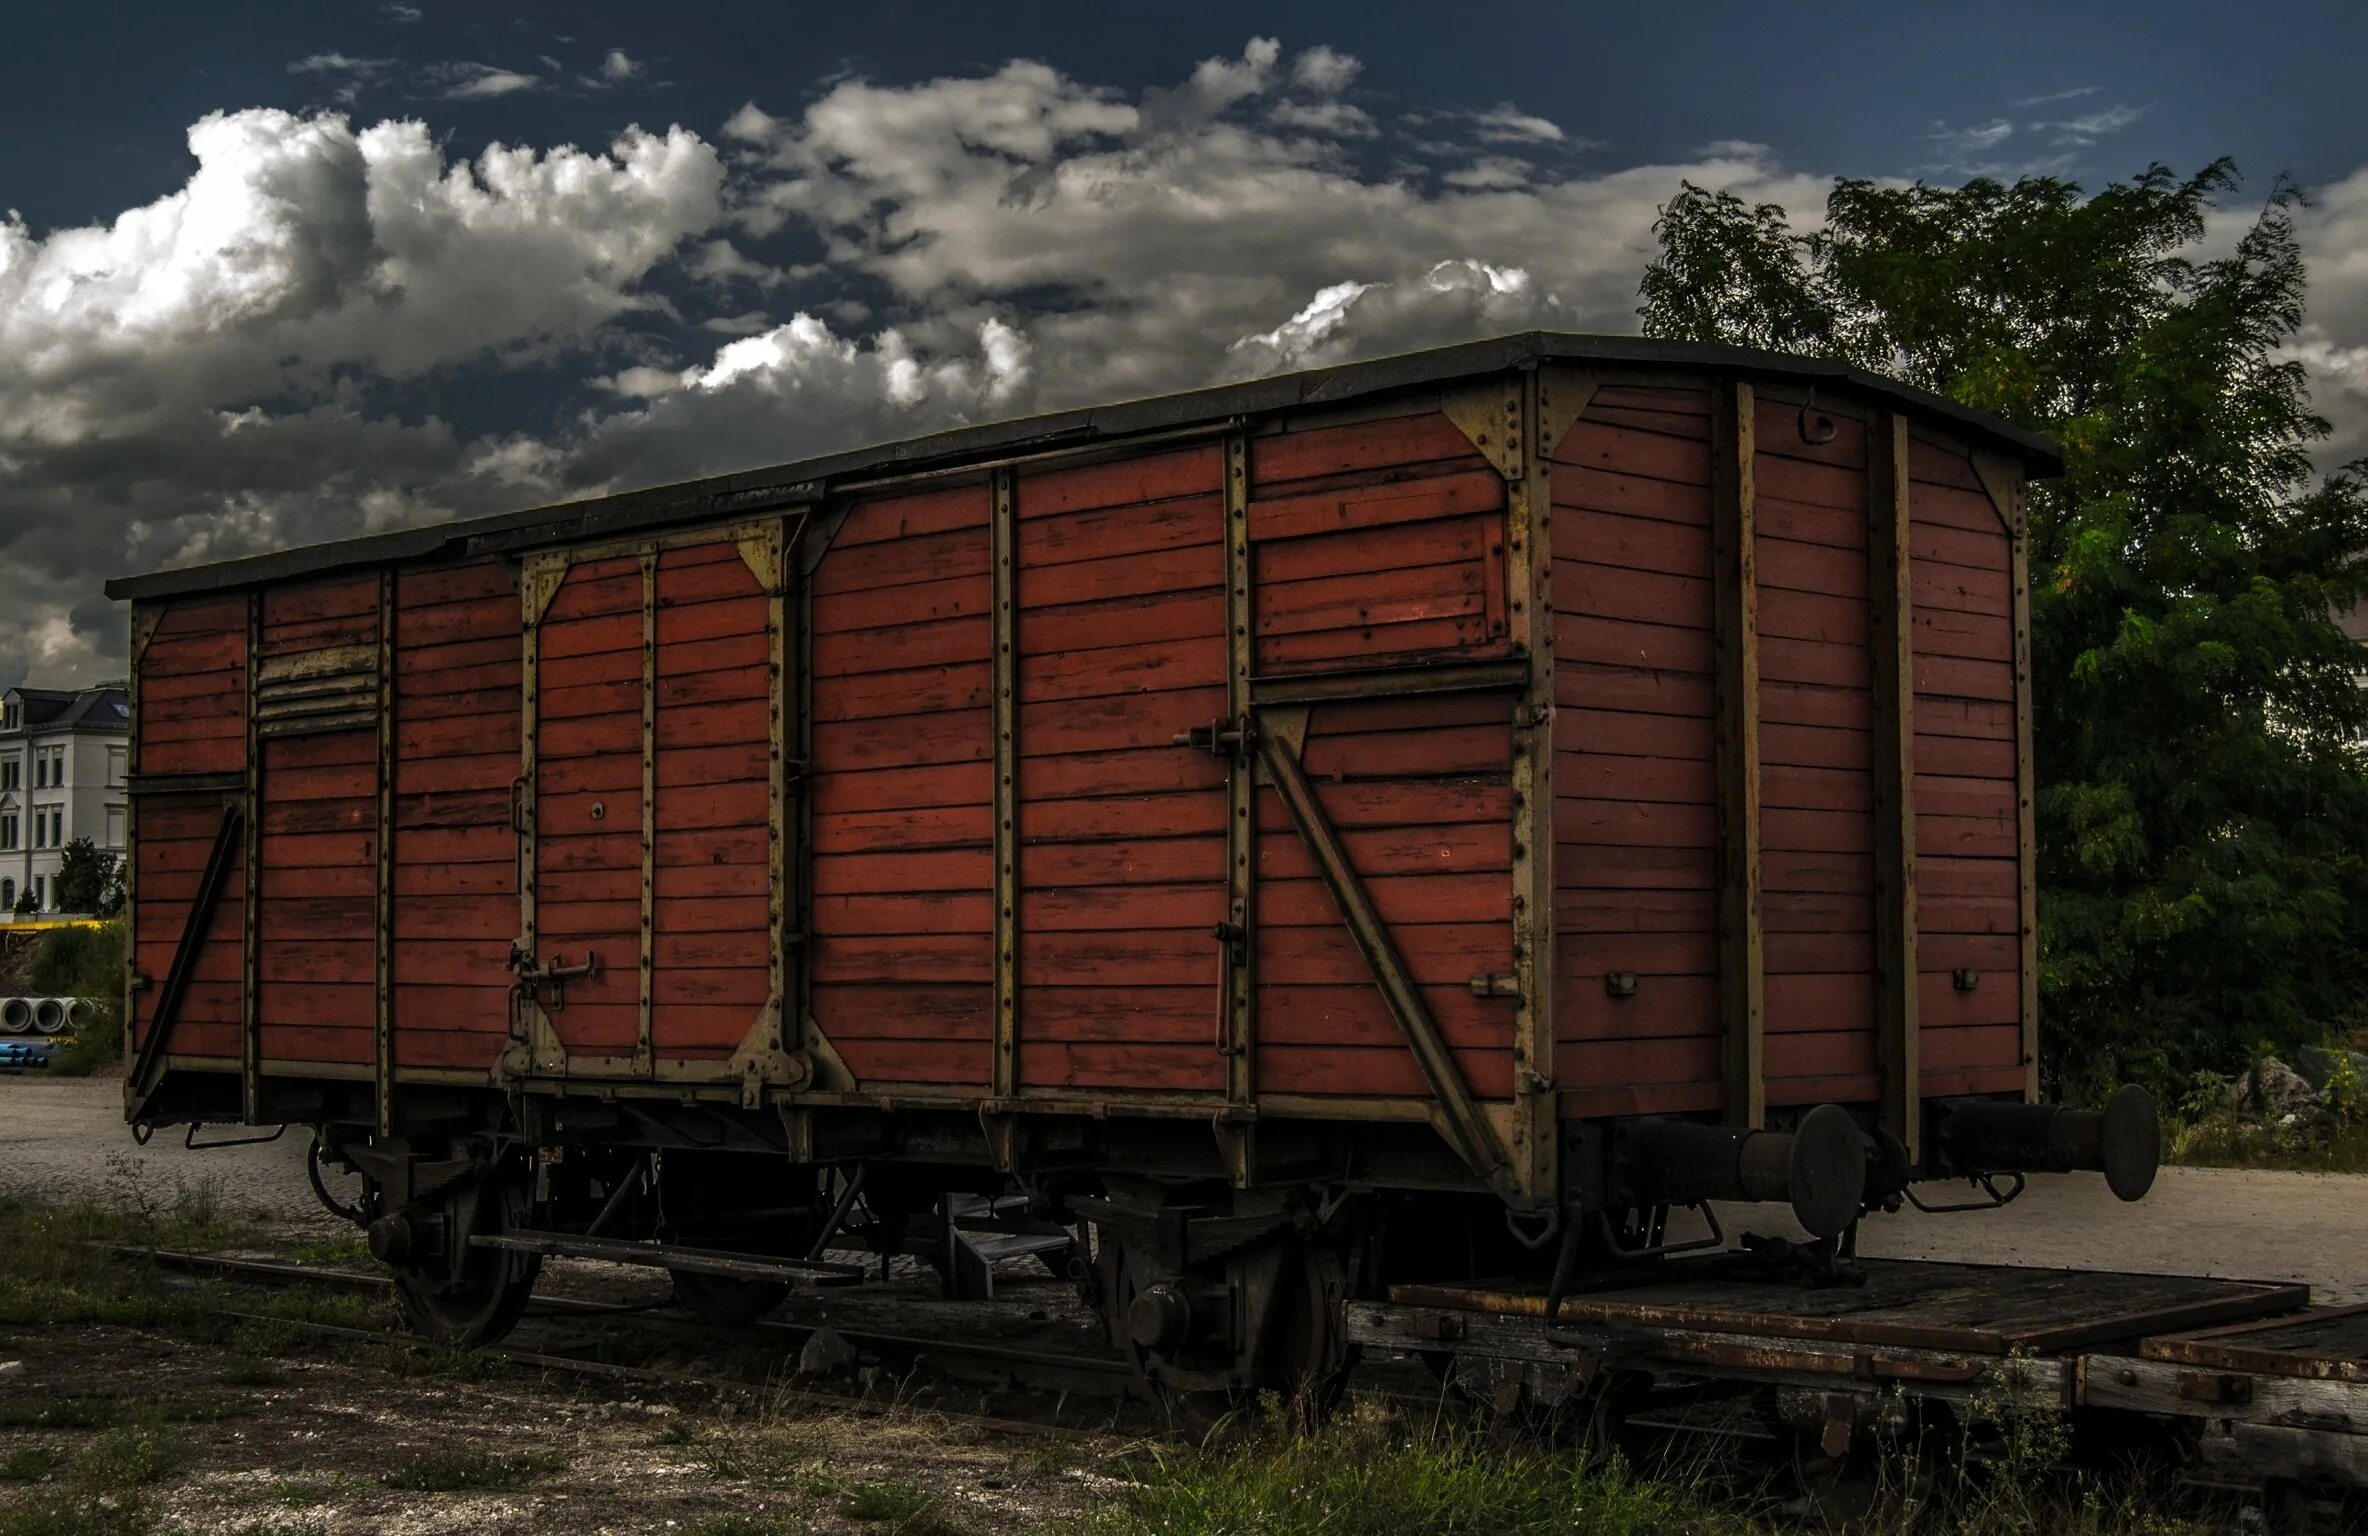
[[225, 852], [1462, 1120]]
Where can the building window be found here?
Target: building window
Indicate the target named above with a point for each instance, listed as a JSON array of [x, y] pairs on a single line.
[[7, 895], [57, 826], [8, 833], [41, 893], [115, 826], [8, 716], [10, 767], [115, 761], [40, 768]]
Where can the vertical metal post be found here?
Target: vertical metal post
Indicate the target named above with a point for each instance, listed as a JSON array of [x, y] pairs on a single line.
[[1735, 608], [535, 587], [2026, 781], [2002, 480], [1530, 616], [142, 624], [1237, 1138], [1891, 634], [384, 1072], [644, 1049], [1003, 540], [251, 887], [781, 872]]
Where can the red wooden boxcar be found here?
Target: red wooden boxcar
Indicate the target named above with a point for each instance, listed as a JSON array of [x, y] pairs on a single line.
[[1501, 779]]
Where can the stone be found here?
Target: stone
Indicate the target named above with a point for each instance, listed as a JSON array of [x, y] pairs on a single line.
[[827, 1353], [2273, 1090]]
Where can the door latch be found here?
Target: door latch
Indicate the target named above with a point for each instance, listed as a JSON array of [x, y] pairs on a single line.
[[557, 974], [1220, 738]]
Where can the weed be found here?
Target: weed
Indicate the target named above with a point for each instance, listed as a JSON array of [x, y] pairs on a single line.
[[58, 1412], [250, 1371], [680, 1431], [31, 1464], [103, 1491], [472, 1471], [297, 1493], [1370, 1473], [330, 1250], [903, 1508], [134, 1456], [739, 1523]]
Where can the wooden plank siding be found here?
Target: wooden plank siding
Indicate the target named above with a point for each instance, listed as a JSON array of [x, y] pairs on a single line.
[[457, 663], [1372, 544], [1968, 879], [1121, 833], [317, 962], [711, 803], [1817, 784], [1635, 803], [902, 864], [191, 719]]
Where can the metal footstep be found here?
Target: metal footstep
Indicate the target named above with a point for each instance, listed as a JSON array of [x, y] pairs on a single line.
[[968, 1235]]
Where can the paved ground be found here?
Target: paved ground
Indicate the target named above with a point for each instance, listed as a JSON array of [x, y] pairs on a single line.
[[68, 1135], [2237, 1223]]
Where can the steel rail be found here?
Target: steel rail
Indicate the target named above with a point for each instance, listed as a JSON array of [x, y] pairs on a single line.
[[576, 1308]]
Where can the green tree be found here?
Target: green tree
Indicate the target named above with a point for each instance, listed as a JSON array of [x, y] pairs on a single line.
[[2203, 804], [87, 880]]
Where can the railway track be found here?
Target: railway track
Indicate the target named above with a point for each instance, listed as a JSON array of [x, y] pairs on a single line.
[[968, 1360]]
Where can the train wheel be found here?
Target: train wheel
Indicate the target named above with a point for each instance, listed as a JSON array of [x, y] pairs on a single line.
[[483, 1298], [1173, 1328], [725, 1301]]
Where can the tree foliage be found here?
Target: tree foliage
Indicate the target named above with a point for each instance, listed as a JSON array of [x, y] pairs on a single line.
[[88, 880], [2203, 802]]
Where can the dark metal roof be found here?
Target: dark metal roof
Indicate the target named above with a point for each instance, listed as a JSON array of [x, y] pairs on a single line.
[[48, 711], [749, 490]]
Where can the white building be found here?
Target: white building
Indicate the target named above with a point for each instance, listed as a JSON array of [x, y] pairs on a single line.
[[63, 755]]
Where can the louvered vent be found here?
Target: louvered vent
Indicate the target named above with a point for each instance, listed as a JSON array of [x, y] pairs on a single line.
[[332, 689]]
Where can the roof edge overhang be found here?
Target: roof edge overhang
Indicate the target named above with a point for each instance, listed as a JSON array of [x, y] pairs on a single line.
[[746, 491]]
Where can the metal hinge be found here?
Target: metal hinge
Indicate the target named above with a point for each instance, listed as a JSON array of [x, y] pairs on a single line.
[[1495, 984]]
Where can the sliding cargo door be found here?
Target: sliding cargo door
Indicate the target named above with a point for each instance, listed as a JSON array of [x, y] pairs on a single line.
[[652, 817]]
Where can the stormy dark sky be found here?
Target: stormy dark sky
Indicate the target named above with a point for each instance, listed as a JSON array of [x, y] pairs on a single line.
[[279, 273]]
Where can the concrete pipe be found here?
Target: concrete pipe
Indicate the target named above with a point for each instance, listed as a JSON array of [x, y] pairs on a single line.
[[78, 1012], [16, 1015], [49, 1015]]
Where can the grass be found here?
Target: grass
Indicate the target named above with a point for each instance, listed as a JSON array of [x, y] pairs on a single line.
[[1372, 1473], [736, 1523], [57, 1269], [472, 1471], [30, 1464], [102, 1488], [330, 1250], [902, 1508]]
